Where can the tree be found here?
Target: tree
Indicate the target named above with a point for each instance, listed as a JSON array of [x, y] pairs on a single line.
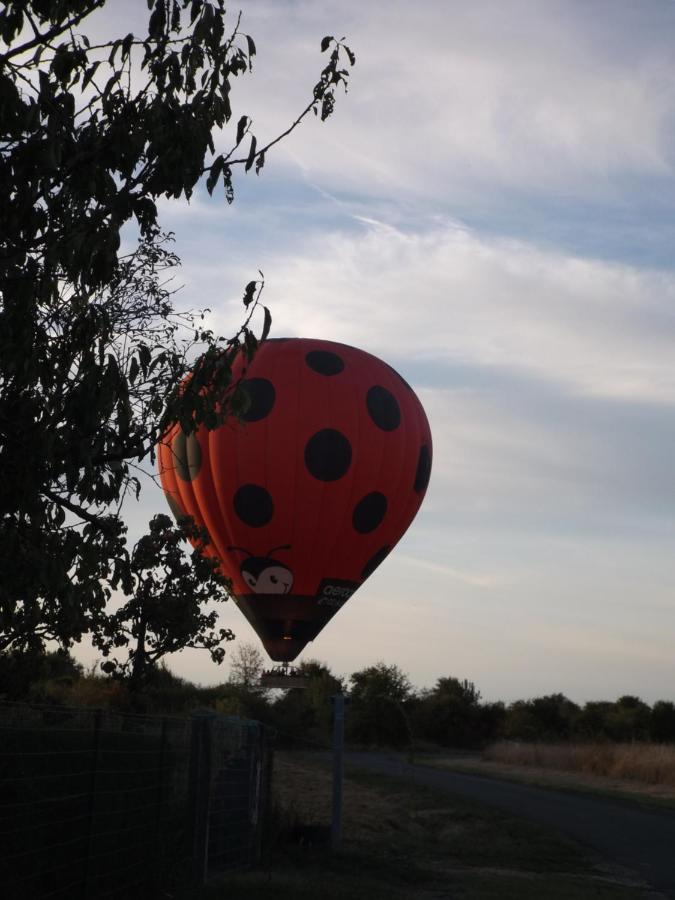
[[377, 714], [93, 352], [246, 666], [307, 712], [662, 724], [592, 721], [629, 720], [549, 718], [450, 713], [164, 612], [21, 672]]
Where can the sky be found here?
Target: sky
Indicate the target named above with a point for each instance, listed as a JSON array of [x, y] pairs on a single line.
[[491, 210]]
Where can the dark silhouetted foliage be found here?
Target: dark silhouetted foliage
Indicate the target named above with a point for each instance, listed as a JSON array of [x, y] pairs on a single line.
[[379, 712], [92, 350], [662, 723], [167, 592]]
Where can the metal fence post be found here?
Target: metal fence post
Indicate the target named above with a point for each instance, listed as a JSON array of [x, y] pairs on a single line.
[[96, 744], [200, 786], [338, 768], [161, 766]]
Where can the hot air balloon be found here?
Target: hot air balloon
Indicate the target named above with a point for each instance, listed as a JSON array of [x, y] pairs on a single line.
[[307, 495]]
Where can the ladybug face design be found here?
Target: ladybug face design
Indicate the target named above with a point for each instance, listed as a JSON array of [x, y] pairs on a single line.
[[273, 579], [265, 575], [333, 454]]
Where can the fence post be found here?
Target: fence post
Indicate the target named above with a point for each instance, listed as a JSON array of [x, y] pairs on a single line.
[[96, 744], [338, 768], [161, 765], [200, 787], [267, 767]]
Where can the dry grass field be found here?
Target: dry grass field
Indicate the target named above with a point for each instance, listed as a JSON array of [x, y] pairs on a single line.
[[403, 842], [642, 772], [647, 763]]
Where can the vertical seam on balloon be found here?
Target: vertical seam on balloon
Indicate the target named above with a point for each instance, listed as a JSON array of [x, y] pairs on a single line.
[[278, 361], [383, 440], [339, 527], [394, 520], [214, 533], [294, 383], [323, 491], [411, 435], [214, 458]]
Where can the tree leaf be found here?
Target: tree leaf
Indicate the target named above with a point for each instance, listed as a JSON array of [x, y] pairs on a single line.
[[326, 42], [241, 128], [249, 293], [214, 174], [267, 324], [251, 153]]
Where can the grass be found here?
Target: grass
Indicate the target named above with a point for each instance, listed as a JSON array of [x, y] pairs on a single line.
[[648, 763], [404, 842], [545, 766]]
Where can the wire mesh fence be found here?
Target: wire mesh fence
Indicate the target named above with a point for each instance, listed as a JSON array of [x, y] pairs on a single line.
[[96, 804]]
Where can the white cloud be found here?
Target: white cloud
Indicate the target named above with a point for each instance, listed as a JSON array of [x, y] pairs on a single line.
[[450, 98], [451, 295]]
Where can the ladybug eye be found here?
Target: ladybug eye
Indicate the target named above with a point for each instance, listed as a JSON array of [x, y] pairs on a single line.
[[274, 579]]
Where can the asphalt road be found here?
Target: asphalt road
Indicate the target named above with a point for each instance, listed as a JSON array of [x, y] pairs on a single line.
[[640, 839]]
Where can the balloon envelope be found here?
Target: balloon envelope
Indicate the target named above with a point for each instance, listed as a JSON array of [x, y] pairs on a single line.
[[308, 495]]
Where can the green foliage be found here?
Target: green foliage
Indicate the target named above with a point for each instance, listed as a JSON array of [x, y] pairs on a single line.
[[378, 713], [92, 351], [452, 715], [307, 713], [546, 718], [167, 591], [662, 725], [22, 674], [629, 720]]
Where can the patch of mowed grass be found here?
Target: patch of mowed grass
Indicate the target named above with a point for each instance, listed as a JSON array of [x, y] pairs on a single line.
[[507, 887], [318, 875], [429, 824]]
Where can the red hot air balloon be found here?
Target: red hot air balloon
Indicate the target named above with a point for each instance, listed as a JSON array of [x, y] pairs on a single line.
[[307, 496]]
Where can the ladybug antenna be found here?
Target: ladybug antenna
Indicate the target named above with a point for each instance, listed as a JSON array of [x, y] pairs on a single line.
[[280, 547], [242, 550]]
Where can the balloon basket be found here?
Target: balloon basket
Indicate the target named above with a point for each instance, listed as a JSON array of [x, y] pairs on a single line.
[[284, 678]]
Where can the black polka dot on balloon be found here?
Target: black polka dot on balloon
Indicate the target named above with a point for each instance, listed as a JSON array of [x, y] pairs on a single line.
[[423, 472], [187, 456], [369, 512], [324, 362], [261, 395], [375, 561], [253, 504], [383, 408], [328, 455]]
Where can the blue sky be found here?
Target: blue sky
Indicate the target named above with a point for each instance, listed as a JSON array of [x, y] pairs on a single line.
[[491, 210]]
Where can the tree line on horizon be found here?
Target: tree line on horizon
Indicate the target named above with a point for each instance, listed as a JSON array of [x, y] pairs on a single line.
[[384, 709]]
